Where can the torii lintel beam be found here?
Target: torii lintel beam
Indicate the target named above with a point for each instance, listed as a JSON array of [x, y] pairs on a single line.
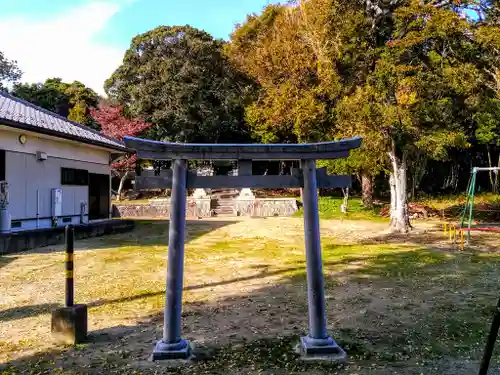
[[147, 149], [193, 181]]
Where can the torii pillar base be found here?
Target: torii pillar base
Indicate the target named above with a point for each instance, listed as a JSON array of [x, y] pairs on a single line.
[[163, 350], [324, 350]]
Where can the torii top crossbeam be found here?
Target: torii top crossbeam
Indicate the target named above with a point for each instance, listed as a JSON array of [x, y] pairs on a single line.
[[147, 149], [244, 154]]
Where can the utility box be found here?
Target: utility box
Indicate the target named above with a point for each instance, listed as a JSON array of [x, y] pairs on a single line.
[[56, 202]]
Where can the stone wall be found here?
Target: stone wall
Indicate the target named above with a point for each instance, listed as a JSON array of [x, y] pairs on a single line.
[[14, 242], [160, 208], [201, 208], [264, 207]]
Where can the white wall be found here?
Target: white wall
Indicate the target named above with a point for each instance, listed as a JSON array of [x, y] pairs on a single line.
[[55, 147], [26, 176]]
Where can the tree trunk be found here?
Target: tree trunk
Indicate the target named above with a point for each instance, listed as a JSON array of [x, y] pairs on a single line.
[[392, 185], [120, 187], [497, 177], [400, 221], [490, 164], [366, 190], [344, 207]]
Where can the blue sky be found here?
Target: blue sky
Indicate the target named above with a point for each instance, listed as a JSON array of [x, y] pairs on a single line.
[[85, 39]]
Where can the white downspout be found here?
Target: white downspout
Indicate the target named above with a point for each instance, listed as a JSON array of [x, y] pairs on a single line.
[[37, 208]]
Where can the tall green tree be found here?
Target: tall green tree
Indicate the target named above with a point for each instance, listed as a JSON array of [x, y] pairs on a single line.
[[9, 71], [292, 104], [487, 133], [421, 93], [305, 58], [487, 127], [407, 75], [71, 100], [178, 79]]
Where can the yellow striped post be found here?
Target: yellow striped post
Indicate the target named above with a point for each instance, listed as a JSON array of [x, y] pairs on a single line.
[[70, 246], [69, 323]]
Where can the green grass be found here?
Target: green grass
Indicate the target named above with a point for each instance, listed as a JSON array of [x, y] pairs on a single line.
[[451, 205], [389, 302], [486, 206], [329, 208], [447, 201]]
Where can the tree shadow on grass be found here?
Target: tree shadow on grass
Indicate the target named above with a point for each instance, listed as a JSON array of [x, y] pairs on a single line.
[[265, 272], [6, 259], [436, 238], [488, 212], [391, 308], [26, 311], [146, 233]]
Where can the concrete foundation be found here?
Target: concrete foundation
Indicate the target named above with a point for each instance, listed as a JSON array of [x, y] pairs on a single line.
[[14, 242], [180, 350], [325, 350], [69, 324]]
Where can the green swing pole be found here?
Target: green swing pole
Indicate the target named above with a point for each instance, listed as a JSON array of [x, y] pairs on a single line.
[[466, 206], [471, 202]]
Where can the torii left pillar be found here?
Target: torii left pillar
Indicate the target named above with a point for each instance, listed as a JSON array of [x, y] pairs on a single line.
[[172, 345]]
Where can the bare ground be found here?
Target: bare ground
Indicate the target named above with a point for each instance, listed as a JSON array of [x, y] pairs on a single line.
[[245, 291]]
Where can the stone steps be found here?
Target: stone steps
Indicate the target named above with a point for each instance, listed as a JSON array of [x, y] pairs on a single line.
[[223, 207], [223, 202], [224, 194]]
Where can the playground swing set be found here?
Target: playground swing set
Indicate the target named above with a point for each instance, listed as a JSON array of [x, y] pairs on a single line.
[[462, 231]]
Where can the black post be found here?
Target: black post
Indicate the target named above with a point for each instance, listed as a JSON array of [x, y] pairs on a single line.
[[69, 323], [490, 344], [70, 246]]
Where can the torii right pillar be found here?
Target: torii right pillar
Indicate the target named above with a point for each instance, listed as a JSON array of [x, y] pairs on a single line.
[[318, 344]]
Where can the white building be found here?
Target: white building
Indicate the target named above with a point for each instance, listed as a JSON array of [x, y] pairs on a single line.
[[57, 171]]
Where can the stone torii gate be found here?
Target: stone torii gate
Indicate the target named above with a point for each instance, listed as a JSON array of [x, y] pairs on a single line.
[[317, 342]]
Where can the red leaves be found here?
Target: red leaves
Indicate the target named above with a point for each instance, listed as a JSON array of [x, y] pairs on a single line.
[[126, 162], [114, 124]]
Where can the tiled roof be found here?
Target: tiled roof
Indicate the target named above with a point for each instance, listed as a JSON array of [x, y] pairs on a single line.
[[20, 113]]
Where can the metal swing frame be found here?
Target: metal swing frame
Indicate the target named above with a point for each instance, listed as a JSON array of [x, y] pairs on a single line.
[[467, 215]]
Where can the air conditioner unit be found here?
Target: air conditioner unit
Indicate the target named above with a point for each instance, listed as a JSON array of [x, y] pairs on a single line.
[[41, 155], [56, 202]]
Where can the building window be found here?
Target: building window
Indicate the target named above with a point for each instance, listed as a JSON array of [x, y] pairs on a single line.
[[3, 166], [70, 176]]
